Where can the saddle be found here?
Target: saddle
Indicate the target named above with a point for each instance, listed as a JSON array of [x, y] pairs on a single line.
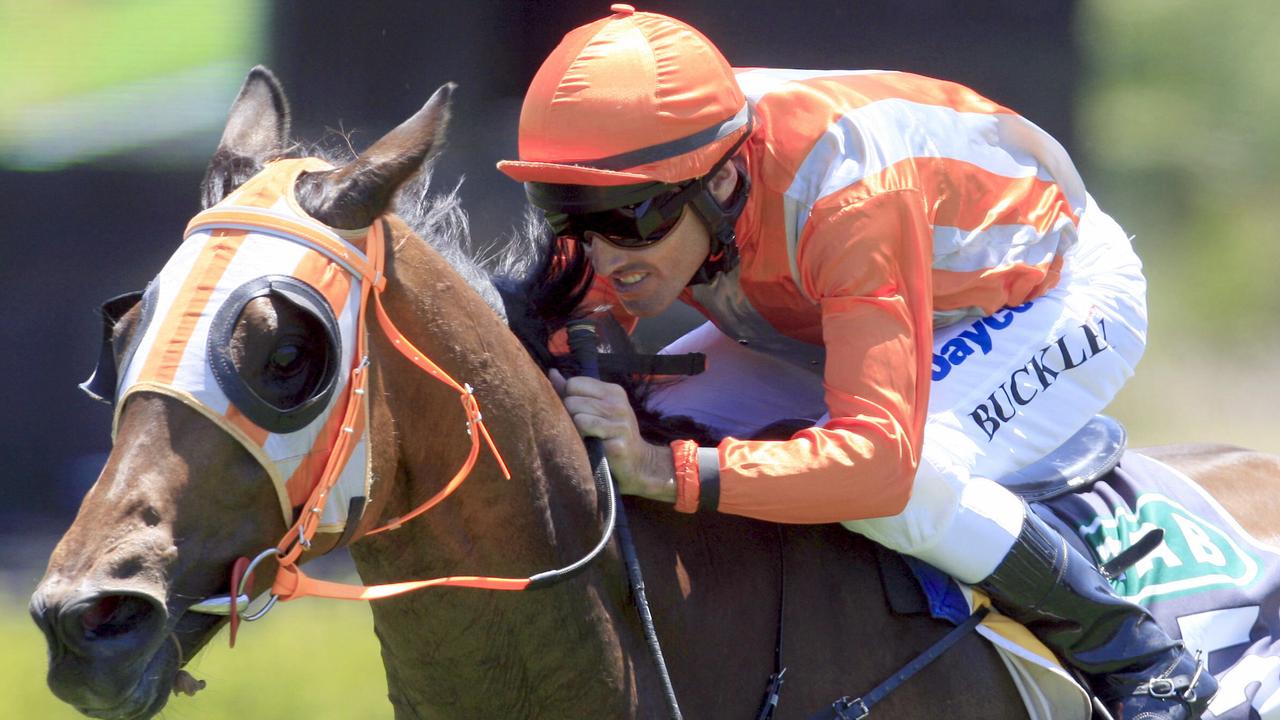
[[912, 586], [1074, 466], [1084, 459]]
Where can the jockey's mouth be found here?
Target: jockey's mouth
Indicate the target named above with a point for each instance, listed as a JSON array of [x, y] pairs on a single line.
[[627, 280]]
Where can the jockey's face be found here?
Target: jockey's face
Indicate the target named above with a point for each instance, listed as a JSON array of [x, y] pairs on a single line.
[[649, 279]]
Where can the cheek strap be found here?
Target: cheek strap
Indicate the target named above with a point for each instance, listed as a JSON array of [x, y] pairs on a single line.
[[720, 221]]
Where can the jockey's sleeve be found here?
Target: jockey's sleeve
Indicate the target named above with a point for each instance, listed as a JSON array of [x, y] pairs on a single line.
[[868, 263]]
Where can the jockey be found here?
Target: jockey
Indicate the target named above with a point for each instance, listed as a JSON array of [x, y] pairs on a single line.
[[916, 270]]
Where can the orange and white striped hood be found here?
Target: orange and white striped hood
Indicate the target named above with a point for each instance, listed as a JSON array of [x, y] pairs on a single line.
[[259, 241]]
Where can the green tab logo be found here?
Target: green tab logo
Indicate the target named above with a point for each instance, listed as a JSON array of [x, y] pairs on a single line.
[[1195, 556]]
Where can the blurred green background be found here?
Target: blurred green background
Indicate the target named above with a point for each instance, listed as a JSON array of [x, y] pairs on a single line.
[[90, 81], [1178, 140], [1171, 120]]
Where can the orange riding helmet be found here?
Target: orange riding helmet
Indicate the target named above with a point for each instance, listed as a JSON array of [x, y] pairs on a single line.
[[632, 98], [634, 112]]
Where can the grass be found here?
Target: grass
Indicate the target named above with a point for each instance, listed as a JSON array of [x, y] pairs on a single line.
[[312, 659]]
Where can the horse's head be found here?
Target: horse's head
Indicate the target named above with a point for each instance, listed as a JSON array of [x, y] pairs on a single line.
[[208, 467]]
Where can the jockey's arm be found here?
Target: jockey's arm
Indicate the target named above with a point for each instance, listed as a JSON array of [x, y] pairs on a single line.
[[868, 262]]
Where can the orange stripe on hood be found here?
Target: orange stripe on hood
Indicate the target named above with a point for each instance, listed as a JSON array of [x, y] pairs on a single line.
[[163, 361], [327, 277], [304, 478], [335, 284], [247, 426]]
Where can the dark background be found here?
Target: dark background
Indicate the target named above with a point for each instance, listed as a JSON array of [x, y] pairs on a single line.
[[72, 238]]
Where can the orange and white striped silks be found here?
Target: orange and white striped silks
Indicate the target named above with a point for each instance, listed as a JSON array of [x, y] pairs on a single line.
[[882, 205], [1002, 198], [257, 231]]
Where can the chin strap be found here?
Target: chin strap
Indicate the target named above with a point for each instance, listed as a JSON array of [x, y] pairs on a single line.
[[718, 218], [720, 221]]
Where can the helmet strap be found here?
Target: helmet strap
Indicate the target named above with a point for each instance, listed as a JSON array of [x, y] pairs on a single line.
[[720, 221]]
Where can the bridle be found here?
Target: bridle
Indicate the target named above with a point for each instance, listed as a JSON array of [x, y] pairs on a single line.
[[290, 581]]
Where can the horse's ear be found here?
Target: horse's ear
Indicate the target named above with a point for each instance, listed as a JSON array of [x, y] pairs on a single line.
[[257, 129], [353, 196]]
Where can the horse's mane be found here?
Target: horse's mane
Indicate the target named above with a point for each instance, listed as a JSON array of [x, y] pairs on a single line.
[[519, 275], [438, 218]]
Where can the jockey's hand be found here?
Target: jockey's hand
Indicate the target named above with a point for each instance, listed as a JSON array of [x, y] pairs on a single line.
[[600, 409]]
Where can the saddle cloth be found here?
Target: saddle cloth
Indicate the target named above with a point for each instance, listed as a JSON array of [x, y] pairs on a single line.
[[1208, 583]]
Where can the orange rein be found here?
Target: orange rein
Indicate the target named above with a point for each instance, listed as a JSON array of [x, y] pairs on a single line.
[[290, 582]]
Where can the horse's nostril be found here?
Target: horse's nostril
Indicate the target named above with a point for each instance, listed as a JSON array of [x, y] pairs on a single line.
[[96, 616], [106, 617], [114, 615]]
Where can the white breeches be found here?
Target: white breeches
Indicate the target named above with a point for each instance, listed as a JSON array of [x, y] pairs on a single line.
[[1006, 390]]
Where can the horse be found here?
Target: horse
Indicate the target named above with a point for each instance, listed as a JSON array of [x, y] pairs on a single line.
[[179, 500]]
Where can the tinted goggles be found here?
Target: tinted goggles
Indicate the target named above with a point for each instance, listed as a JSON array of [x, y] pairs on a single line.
[[634, 225]]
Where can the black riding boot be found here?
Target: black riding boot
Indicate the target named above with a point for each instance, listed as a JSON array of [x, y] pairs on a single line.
[[1133, 665]]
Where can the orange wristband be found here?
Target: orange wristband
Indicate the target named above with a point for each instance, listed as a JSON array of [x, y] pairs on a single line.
[[685, 455]]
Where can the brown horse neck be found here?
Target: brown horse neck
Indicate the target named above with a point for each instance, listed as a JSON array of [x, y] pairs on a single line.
[[542, 518], [435, 308]]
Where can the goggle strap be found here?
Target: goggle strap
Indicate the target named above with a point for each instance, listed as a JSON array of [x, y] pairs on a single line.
[[696, 190]]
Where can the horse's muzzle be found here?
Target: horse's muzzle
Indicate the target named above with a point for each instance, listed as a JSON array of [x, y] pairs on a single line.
[[103, 650]]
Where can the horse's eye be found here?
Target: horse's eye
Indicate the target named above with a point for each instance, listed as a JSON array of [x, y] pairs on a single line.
[[286, 358], [274, 348]]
